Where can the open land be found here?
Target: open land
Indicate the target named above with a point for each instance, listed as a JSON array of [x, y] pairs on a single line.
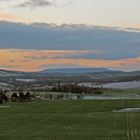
[[70, 120]]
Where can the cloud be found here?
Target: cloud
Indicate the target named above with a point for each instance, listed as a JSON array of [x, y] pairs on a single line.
[[8, 3], [128, 64], [57, 54], [10, 17], [4, 16], [113, 43], [35, 3], [9, 67], [33, 60]]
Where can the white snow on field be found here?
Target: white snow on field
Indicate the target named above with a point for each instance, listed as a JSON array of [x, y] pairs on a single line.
[[89, 84], [123, 85], [120, 85], [128, 110], [5, 85], [26, 80]]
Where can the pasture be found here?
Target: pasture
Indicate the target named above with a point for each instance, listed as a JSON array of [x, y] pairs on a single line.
[[70, 120]]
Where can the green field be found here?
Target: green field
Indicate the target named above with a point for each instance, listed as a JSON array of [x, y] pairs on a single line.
[[70, 120], [130, 91]]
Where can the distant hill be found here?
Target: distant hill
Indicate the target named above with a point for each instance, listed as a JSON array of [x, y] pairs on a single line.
[[71, 75], [7, 71], [4, 72], [96, 72], [75, 70]]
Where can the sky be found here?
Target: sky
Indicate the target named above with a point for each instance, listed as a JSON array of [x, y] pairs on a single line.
[[43, 34]]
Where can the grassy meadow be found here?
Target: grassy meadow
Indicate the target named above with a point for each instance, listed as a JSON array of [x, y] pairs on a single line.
[[70, 120]]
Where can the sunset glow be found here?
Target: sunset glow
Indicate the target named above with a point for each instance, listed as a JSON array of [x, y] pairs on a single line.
[[36, 35], [34, 60]]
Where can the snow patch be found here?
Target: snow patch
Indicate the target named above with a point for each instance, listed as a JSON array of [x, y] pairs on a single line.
[[128, 110]]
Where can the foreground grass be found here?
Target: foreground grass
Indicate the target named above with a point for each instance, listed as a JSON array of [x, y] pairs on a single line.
[[70, 120]]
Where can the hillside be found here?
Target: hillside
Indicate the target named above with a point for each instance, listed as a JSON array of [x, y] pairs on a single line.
[[75, 70]]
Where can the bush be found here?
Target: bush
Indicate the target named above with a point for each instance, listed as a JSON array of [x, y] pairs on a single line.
[[98, 92], [13, 99]]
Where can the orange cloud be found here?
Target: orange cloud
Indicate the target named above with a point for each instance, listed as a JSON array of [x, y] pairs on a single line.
[[47, 54], [132, 26], [10, 17], [16, 60]]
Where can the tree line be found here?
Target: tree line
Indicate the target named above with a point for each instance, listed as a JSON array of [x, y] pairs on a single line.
[[15, 97], [74, 88]]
